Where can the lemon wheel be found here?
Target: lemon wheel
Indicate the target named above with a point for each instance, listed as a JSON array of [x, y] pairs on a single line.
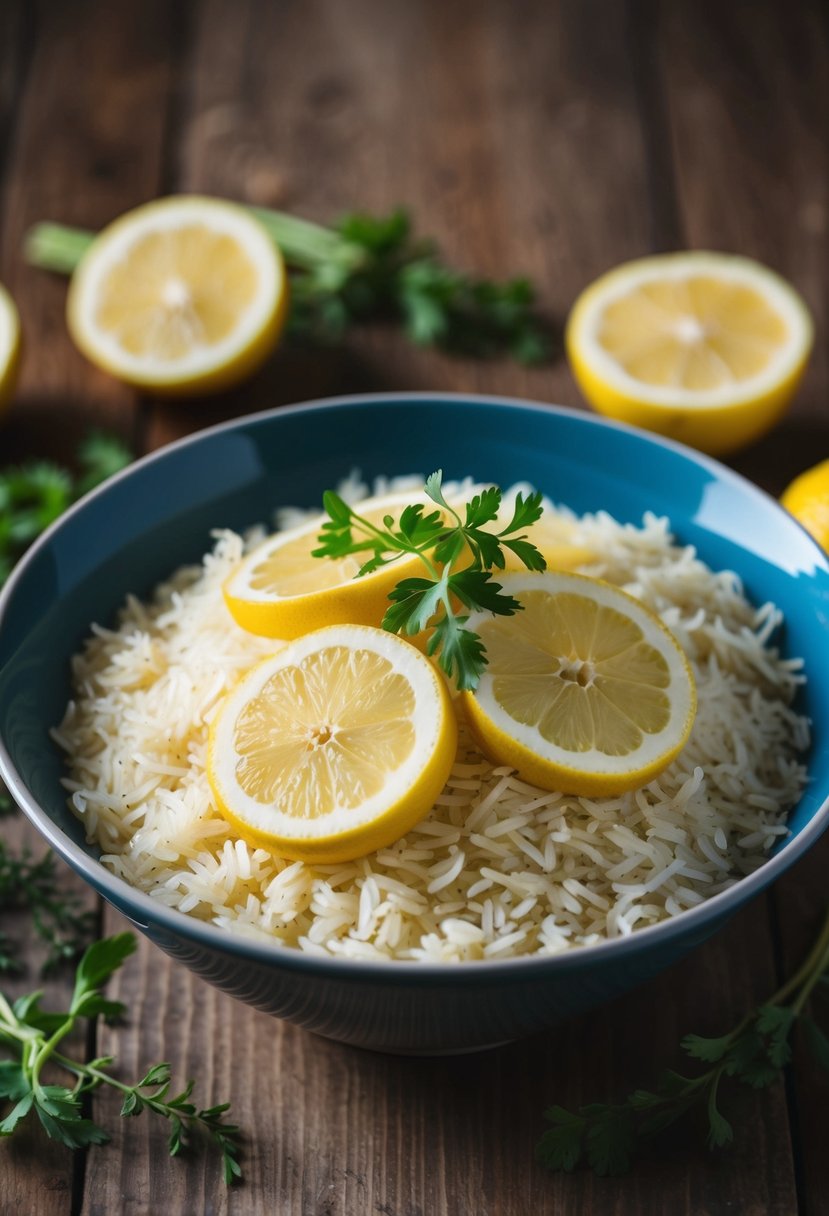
[[333, 747], [704, 347], [184, 295], [585, 690]]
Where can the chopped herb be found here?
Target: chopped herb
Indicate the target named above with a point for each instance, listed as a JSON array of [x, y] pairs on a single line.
[[31, 1037], [440, 538], [607, 1136]]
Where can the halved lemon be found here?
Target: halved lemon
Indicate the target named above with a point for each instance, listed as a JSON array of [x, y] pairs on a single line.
[[333, 747], [9, 345], [585, 691], [184, 295], [704, 347], [281, 591], [807, 498]]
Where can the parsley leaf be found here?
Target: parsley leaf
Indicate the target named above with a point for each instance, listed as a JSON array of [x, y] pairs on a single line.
[[439, 539]]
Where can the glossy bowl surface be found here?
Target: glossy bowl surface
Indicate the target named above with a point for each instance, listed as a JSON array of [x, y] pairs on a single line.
[[132, 532]]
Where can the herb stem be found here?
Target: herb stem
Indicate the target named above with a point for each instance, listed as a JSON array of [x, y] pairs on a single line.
[[808, 973], [308, 246]]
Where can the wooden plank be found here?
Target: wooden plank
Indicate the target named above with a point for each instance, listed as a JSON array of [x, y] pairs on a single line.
[[323, 108], [753, 167], [88, 144], [84, 142]]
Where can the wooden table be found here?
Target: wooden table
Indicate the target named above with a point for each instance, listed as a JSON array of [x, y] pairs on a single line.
[[554, 139]]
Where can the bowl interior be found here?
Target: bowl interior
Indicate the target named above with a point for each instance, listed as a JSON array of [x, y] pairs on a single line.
[[133, 532]]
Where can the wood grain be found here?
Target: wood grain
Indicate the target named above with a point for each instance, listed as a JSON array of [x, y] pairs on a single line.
[[551, 140], [754, 137]]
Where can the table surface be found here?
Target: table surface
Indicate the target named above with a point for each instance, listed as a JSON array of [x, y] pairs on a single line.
[[553, 139]]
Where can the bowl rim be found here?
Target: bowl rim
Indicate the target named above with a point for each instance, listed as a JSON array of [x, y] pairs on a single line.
[[139, 907]]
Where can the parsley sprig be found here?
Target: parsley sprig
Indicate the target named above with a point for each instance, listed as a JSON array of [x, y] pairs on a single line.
[[369, 268], [606, 1136], [31, 1036], [440, 539]]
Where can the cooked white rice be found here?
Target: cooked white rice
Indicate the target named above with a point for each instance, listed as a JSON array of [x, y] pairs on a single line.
[[498, 868]]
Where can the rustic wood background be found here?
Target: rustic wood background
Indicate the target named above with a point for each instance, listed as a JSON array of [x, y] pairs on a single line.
[[551, 138]]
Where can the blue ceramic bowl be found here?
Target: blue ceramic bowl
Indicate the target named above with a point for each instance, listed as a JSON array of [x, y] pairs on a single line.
[[132, 532]]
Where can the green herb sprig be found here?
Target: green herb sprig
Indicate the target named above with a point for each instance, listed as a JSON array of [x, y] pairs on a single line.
[[31, 1037], [440, 539], [58, 916], [369, 268], [607, 1136]]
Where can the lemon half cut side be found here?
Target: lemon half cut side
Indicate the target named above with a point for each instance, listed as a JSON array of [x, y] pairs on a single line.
[[585, 691], [707, 348], [179, 296], [333, 747]]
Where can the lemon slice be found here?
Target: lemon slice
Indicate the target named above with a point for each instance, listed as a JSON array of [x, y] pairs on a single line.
[[704, 347], [184, 295], [333, 747], [9, 346], [281, 591], [585, 691], [807, 498]]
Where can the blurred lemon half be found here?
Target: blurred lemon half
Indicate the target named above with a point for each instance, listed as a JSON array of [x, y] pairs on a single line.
[[184, 295], [333, 747], [9, 346], [704, 347], [585, 690], [807, 498]]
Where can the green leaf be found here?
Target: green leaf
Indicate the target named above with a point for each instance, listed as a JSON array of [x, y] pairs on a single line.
[[461, 652], [434, 488], [414, 601], [18, 1112], [99, 962], [775, 1022], [560, 1147], [610, 1140], [13, 1081], [720, 1131], [526, 511], [483, 508], [526, 552], [709, 1050], [478, 590]]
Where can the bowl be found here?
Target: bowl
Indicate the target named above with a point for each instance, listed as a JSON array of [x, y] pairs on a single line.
[[133, 531]]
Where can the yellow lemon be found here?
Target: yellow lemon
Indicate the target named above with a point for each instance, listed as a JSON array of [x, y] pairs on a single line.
[[807, 498], [184, 295], [281, 590], [704, 347], [9, 346], [585, 690], [333, 747]]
